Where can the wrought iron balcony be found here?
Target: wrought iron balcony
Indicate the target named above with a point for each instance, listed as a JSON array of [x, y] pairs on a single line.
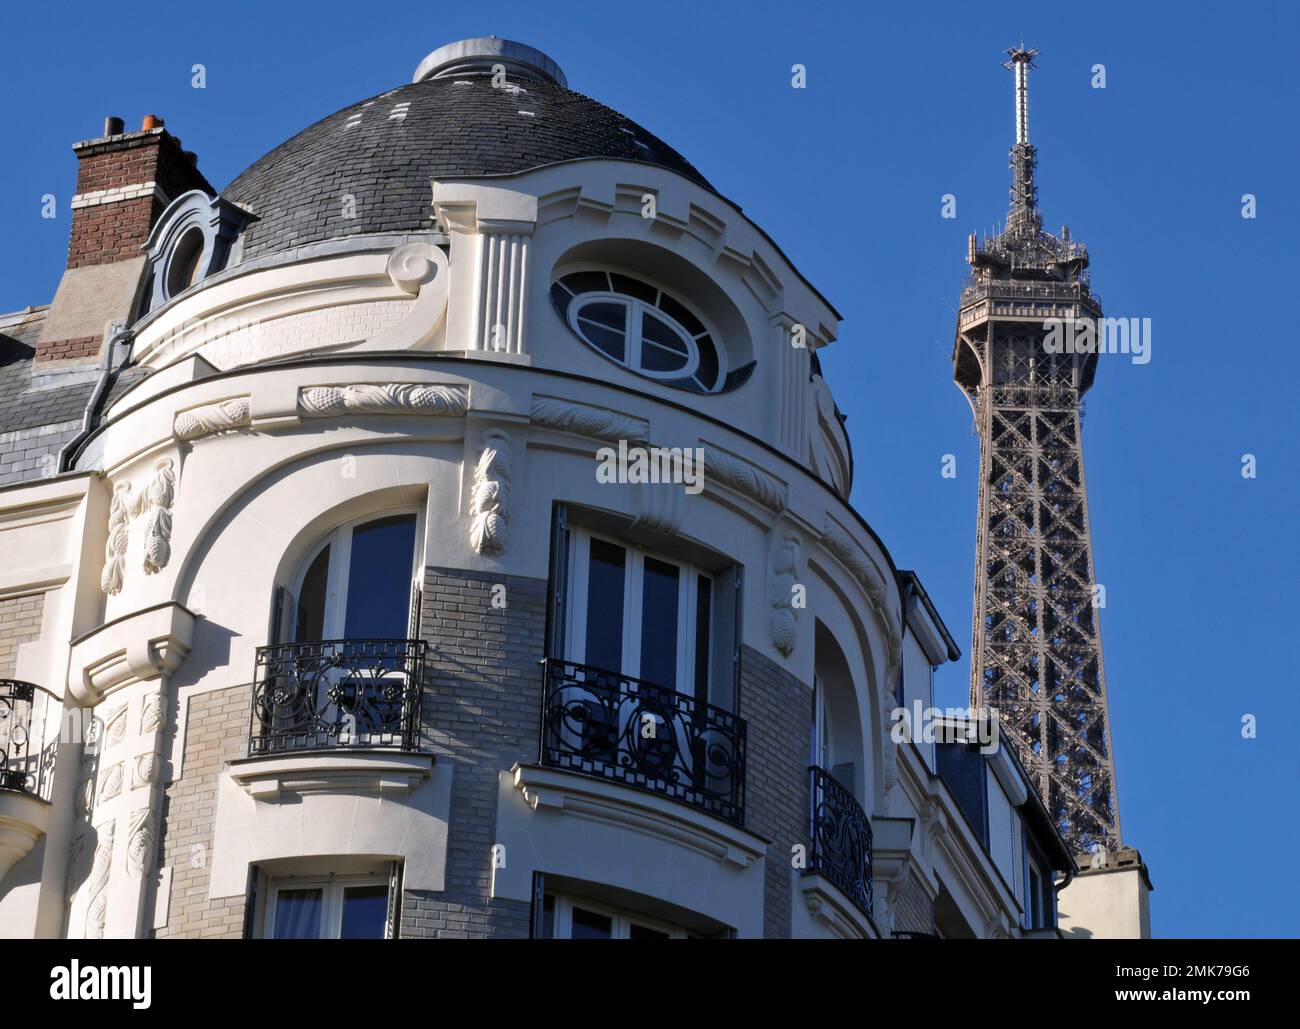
[[841, 839], [337, 693], [632, 732], [29, 735]]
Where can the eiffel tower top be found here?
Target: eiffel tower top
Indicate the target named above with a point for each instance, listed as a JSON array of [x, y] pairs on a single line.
[[1022, 249]]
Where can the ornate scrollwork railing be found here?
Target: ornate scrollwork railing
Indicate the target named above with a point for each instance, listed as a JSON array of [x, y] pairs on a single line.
[[841, 839], [30, 720], [337, 693], [615, 727]]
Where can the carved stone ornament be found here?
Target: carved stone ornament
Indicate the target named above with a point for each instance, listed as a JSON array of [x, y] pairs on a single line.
[[742, 476], [97, 886], [382, 398], [585, 420], [211, 419], [781, 589], [489, 495]]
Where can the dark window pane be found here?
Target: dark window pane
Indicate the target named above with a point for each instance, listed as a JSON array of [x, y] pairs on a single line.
[[379, 579], [707, 372], [560, 297], [605, 606], [659, 623], [656, 359], [605, 312], [703, 617], [297, 915], [680, 315], [656, 331], [548, 917], [588, 925], [365, 912], [587, 282], [311, 600], [622, 284], [644, 932], [607, 340]]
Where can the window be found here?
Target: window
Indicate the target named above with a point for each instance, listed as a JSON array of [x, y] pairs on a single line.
[[192, 239], [357, 582], [642, 328], [570, 918], [351, 907], [821, 742], [1040, 892], [184, 262], [639, 614]]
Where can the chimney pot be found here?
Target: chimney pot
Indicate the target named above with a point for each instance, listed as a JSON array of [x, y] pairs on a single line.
[[151, 121], [113, 125]]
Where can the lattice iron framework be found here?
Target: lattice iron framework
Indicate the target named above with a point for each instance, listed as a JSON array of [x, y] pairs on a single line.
[[1036, 641]]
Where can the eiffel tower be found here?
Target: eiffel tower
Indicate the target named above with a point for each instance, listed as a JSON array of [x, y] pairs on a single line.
[[1036, 641]]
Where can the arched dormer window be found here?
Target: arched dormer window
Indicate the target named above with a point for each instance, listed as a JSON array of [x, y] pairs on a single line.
[[191, 240]]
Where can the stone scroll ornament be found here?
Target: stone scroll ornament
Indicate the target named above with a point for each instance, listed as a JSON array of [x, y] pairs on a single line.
[[784, 617], [97, 887], [744, 477], [140, 844], [211, 419], [156, 503], [119, 523], [588, 421], [489, 518], [382, 398]]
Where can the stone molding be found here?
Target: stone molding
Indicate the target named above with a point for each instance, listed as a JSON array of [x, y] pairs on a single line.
[[135, 648]]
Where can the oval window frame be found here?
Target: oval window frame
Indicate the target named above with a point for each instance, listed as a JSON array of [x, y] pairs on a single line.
[[634, 337], [681, 379]]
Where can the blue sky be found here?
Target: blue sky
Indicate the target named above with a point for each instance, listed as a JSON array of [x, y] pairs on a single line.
[[1200, 564]]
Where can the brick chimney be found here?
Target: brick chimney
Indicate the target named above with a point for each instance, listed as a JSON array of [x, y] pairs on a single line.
[[124, 182]]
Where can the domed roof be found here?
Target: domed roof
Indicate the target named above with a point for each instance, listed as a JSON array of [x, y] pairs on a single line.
[[451, 122]]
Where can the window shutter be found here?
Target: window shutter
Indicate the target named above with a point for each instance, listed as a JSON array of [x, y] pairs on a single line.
[[725, 686], [393, 925], [250, 905], [417, 600], [283, 618], [555, 600], [277, 616], [538, 908]]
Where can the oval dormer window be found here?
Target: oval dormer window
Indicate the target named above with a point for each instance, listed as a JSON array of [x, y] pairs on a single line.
[[642, 328], [183, 265]]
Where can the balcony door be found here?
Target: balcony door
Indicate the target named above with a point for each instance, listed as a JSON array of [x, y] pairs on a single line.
[[638, 614], [348, 674]]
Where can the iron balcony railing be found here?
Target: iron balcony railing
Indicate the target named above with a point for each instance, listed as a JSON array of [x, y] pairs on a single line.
[[30, 722], [337, 693], [632, 732], [841, 839]]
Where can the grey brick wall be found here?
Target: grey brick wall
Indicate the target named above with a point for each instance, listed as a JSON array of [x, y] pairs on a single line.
[[913, 909], [778, 710], [482, 714], [20, 622], [216, 731]]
